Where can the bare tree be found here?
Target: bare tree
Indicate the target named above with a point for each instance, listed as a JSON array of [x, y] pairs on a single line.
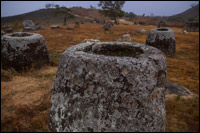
[[48, 5], [112, 9], [65, 11]]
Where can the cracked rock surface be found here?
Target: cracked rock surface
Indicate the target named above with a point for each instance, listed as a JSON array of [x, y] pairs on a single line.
[[162, 38], [20, 50], [109, 86]]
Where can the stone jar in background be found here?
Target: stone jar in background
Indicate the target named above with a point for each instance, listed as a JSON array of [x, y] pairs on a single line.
[[109, 86], [28, 25], [162, 38], [22, 50], [161, 23], [7, 28], [191, 26]]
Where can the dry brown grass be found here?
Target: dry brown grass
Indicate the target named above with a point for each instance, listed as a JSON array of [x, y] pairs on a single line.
[[25, 101], [182, 115], [25, 97]]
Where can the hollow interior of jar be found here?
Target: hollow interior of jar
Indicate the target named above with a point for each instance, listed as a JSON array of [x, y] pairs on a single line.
[[115, 50], [20, 34], [162, 29]]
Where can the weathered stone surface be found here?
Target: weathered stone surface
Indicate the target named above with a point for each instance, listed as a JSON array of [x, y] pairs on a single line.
[[161, 23], [95, 21], [185, 32], [101, 22], [7, 28], [2, 33], [163, 39], [27, 29], [109, 86], [55, 26], [110, 22], [173, 88], [20, 50], [39, 27], [142, 31], [125, 37], [191, 26], [90, 40], [28, 25], [108, 26]]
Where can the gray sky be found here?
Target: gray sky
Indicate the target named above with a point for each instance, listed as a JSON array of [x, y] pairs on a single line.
[[158, 8]]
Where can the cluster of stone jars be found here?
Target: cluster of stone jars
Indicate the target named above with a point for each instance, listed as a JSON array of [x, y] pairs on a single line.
[[101, 86]]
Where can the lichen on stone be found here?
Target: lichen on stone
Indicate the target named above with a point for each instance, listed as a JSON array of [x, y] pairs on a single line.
[[162, 38], [20, 50], [109, 92]]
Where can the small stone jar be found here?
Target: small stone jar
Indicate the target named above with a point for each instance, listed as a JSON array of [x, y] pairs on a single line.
[[22, 50], [162, 38], [109, 86]]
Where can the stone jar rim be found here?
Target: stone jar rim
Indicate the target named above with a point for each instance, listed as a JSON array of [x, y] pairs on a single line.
[[22, 35], [148, 52], [162, 29]]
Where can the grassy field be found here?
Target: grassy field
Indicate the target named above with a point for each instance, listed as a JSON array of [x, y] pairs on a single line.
[[25, 97]]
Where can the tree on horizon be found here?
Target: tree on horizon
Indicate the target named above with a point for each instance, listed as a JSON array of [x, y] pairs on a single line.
[[112, 9], [65, 11]]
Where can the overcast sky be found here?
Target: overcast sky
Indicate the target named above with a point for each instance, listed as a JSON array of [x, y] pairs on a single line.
[[158, 8]]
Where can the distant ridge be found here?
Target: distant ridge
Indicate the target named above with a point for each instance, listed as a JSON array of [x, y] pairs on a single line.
[[47, 16], [190, 14]]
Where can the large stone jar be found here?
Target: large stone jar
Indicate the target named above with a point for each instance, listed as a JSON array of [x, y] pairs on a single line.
[[109, 86], [162, 38], [21, 50]]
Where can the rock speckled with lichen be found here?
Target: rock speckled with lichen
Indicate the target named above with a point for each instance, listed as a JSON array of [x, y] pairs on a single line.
[[20, 50], [162, 38], [109, 86]]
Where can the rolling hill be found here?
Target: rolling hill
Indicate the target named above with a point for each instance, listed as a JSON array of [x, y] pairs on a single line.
[[190, 14], [48, 16]]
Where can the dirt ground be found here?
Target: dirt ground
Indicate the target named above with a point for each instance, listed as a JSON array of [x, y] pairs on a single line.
[[25, 96]]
